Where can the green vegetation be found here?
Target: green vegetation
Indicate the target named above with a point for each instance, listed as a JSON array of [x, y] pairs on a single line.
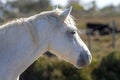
[[109, 67], [53, 69]]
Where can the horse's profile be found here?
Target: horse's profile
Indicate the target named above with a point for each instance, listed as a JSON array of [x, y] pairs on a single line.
[[24, 40]]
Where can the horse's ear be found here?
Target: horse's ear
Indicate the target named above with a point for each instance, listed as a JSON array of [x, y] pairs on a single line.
[[66, 13]]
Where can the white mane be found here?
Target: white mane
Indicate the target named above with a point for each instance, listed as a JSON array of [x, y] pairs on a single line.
[[55, 13]]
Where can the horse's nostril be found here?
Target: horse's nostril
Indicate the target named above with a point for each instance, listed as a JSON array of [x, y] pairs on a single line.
[[84, 59], [90, 57]]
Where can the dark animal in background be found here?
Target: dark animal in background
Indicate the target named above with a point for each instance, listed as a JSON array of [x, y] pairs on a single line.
[[101, 29]]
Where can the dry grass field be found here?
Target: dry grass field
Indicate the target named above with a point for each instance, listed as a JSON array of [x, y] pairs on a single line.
[[102, 45]]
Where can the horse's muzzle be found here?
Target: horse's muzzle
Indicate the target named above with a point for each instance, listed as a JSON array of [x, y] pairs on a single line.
[[84, 59]]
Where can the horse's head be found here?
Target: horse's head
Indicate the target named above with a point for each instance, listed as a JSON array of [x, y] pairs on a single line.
[[64, 39]]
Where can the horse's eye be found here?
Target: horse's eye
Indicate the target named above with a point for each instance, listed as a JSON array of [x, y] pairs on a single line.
[[73, 32]]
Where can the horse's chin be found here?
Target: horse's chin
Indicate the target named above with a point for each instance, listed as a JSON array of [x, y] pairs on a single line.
[[80, 66]]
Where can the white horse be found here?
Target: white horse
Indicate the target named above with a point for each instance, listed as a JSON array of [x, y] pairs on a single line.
[[24, 40]]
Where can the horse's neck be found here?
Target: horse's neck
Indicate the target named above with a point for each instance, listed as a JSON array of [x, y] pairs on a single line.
[[17, 51]]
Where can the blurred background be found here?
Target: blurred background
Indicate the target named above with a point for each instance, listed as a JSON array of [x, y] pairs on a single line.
[[99, 23]]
